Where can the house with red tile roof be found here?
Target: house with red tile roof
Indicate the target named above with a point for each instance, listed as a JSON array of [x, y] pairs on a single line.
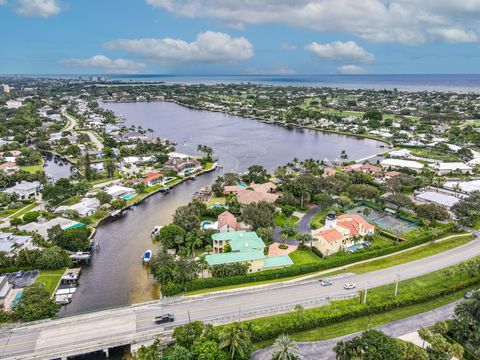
[[9, 167], [329, 171], [152, 178], [226, 221], [363, 168], [246, 197], [340, 232]]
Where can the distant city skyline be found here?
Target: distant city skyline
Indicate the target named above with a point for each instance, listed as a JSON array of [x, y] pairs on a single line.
[[242, 37]]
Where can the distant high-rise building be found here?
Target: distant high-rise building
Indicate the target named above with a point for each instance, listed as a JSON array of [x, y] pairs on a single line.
[[5, 88]]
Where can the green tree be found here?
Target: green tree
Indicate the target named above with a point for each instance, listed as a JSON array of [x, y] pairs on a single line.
[[235, 339], [372, 344], [185, 335], [204, 349], [110, 167], [53, 258], [35, 304], [432, 212], [119, 203], [152, 352], [285, 348], [31, 216], [103, 197], [171, 236], [180, 353], [288, 210], [258, 215]]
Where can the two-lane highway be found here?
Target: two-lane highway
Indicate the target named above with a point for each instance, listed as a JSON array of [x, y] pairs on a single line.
[[55, 337]]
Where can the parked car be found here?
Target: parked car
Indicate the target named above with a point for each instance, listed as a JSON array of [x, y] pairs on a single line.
[[349, 286], [469, 294], [325, 282], [164, 318]]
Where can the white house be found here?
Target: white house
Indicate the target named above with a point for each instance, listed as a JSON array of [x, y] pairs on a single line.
[[86, 207], [14, 104], [11, 244], [25, 189], [398, 164], [119, 190], [443, 168], [438, 198]]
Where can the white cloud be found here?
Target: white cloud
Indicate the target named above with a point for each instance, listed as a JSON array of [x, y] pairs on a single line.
[[347, 51], [401, 21], [350, 69], [106, 64], [454, 35], [277, 69], [3, 2], [209, 47], [38, 8], [288, 47]]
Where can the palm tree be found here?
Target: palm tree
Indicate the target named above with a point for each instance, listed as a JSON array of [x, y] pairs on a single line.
[[285, 348], [456, 188], [236, 340], [343, 155]]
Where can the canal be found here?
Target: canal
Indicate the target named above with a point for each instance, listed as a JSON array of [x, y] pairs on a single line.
[[116, 275]]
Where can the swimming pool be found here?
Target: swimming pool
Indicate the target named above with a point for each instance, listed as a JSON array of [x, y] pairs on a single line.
[[17, 297], [205, 224], [129, 196], [217, 205], [241, 184]]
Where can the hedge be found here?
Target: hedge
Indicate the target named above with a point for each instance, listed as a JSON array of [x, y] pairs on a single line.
[[341, 259], [271, 327]]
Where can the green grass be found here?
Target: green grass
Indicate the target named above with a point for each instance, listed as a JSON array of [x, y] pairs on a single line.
[[216, 200], [23, 211], [32, 169], [300, 257], [363, 323], [71, 201], [411, 255], [50, 278], [432, 154], [281, 220], [207, 166], [318, 220], [238, 286]]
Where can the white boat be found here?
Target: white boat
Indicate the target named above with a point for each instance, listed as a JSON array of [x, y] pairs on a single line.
[[62, 300], [156, 230], [147, 256]]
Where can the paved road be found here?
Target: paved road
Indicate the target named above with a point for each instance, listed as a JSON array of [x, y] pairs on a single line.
[[72, 124], [311, 350], [303, 226], [105, 326]]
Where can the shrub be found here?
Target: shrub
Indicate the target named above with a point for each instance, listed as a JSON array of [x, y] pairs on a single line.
[[31, 216]]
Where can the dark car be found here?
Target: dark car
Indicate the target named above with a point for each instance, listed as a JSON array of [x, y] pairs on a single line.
[[166, 318], [325, 282]]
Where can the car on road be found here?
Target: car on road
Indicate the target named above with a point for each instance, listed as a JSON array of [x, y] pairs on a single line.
[[325, 282], [166, 318], [349, 286], [470, 293]]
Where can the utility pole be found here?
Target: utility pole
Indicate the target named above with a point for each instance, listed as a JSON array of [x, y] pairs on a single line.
[[365, 295], [396, 285], [189, 319]]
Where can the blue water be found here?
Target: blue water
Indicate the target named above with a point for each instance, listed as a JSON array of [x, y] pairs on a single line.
[[129, 196], [205, 223], [242, 184], [406, 82], [18, 295]]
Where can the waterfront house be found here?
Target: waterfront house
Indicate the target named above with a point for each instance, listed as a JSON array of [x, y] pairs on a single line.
[[246, 247], [86, 207], [11, 244], [246, 197], [42, 227], [117, 191], [25, 189], [339, 233], [152, 178], [363, 168]]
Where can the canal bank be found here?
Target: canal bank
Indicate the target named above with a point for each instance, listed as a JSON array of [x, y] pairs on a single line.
[[116, 275]]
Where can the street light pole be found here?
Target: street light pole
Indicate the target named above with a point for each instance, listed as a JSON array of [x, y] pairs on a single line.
[[365, 295], [396, 285]]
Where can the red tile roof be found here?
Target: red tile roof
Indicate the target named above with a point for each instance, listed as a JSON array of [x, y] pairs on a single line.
[[227, 218]]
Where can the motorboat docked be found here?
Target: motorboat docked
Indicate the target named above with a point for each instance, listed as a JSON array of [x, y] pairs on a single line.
[[147, 256], [115, 213], [156, 230]]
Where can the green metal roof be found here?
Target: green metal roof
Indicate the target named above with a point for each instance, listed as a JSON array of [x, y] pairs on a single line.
[[234, 257], [241, 240], [277, 261]]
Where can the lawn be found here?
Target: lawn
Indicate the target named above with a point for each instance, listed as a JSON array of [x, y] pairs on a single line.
[[50, 278], [216, 200], [20, 212], [300, 257], [282, 221], [32, 169], [318, 220], [351, 326], [411, 255], [432, 154]]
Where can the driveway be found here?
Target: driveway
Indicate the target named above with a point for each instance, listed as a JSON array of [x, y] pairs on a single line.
[[312, 350], [303, 226]]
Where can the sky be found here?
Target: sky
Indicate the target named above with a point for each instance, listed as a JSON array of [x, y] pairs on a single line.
[[268, 37]]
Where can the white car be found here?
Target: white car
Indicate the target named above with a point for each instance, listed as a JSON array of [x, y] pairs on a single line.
[[349, 286]]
